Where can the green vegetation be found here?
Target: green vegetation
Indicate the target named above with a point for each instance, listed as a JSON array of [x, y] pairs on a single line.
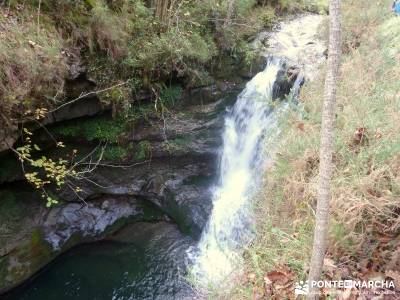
[[121, 41], [14, 210], [128, 44], [366, 182], [102, 129], [317, 6], [43, 171], [143, 150], [116, 152], [179, 143], [171, 95], [33, 67]]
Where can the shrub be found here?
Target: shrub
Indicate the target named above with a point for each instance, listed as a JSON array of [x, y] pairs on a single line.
[[33, 66], [171, 95], [108, 31]]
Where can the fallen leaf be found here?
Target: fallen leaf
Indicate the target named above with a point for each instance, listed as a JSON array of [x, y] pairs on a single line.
[[395, 276], [360, 136], [300, 126], [373, 275], [384, 238], [276, 276], [329, 263]]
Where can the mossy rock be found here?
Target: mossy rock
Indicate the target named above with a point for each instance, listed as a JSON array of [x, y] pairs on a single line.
[[24, 261], [100, 128], [143, 151]]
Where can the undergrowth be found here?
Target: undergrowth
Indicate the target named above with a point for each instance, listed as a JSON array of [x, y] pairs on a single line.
[[364, 227], [41, 41]]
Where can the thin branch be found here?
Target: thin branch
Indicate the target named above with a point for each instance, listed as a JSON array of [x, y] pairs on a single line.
[[76, 193], [87, 156], [88, 94], [120, 166], [38, 17], [47, 131], [91, 169], [95, 183]]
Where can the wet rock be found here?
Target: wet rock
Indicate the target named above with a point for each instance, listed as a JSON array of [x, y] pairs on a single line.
[[63, 227], [174, 183], [88, 220], [203, 95], [88, 106], [297, 40], [8, 135], [285, 80], [248, 71]]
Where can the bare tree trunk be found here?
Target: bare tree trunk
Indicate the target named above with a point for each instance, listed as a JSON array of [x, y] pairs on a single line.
[[161, 9], [326, 150], [229, 13]]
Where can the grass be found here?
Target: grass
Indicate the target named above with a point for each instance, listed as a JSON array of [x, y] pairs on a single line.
[[118, 40], [316, 6], [364, 225], [32, 63]]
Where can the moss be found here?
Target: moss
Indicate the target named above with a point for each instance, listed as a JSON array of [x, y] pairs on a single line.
[[27, 259], [13, 211], [170, 96], [268, 17], [180, 143], [143, 150], [142, 113], [37, 251], [10, 206], [116, 152], [73, 240], [102, 128]]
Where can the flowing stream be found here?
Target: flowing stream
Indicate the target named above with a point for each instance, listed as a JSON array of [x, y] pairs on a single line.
[[155, 265]]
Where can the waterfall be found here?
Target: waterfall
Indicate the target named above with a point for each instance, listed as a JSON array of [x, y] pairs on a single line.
[[246, 126]]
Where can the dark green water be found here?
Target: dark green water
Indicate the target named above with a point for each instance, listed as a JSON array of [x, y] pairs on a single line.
[[144, 261]]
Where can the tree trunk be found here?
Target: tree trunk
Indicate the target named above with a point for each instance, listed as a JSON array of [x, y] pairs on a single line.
[[161, 9], [229, 13], [326, 149]]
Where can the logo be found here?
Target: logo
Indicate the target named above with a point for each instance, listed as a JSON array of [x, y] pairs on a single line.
[[377, 287], [301, 288]]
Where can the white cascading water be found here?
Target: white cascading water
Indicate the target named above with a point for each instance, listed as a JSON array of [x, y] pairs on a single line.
[[229, 229]]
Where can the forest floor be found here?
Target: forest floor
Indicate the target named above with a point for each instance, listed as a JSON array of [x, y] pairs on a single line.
[[364, 235]]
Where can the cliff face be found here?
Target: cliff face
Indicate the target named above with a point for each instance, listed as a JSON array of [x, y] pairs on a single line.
[[156, 169], [143, 166], [169, 181]]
